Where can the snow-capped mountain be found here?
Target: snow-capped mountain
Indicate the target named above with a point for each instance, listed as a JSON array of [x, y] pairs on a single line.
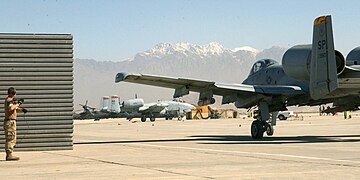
[[212, 61], [185, 49], [208, 52], [192, 51], [247, 48]]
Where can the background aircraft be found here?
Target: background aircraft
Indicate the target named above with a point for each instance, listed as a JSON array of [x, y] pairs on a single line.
[[110, 107], [311, 74], [136, 108], [91, 113]]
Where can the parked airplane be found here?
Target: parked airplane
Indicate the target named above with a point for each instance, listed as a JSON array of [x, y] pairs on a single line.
[[310, 74], [91, 113], [177, 109], [110, 107], [168, 109]]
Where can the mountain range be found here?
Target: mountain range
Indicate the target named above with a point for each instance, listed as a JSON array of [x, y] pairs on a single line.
[[94, 79]]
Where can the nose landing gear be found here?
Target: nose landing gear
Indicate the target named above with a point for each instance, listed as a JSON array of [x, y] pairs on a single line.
[[263, 123]]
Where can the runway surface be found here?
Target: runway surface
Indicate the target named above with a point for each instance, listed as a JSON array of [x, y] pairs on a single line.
[[325, 147]]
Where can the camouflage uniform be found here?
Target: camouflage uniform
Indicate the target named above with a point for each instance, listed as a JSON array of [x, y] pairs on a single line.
[[9, 128]]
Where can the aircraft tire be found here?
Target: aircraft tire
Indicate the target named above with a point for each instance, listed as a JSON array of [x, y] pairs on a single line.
[[257, 129], [269, 130], [143, 119], [152, 119]]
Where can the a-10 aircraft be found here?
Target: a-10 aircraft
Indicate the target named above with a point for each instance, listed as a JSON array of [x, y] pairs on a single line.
[[136, 108], [110, 107], [311, 74]]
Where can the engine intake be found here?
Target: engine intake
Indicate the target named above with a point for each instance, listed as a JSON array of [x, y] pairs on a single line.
[[296, 62], [353, 58]]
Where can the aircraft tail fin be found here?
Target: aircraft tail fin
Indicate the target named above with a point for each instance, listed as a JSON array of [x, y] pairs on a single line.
[[323, 73]]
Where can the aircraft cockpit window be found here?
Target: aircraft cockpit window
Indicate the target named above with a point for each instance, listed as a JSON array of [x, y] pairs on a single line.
[[262, 64], [257, 66], [269, 62]]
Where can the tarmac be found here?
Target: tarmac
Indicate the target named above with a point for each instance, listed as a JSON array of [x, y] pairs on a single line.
[[317, 147]]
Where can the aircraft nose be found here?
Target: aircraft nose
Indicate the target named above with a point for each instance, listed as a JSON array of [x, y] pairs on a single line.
[[191, 107]]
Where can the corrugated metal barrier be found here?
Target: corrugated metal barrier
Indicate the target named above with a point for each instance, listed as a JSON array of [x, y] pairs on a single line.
[[40, 67]]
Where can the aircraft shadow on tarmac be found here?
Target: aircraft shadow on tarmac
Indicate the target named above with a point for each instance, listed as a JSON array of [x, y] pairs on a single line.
[[233, 139]]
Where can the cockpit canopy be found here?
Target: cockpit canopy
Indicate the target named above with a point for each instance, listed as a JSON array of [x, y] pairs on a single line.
[[261, 64]]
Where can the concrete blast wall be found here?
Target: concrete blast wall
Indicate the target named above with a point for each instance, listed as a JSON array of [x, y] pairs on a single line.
[[40, 67]]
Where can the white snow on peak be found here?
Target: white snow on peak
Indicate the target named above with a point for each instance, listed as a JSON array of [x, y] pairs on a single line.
[[185, 49], [213, 48], [247, 48]]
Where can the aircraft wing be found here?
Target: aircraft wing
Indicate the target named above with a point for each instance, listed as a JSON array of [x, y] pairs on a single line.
[[153, 107], [248, 94], [161, 81]]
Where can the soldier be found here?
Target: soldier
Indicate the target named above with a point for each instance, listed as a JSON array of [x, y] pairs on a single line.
[[11, 107]]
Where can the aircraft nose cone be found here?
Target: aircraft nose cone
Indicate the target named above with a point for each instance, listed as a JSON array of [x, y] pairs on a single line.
[[191, 107]]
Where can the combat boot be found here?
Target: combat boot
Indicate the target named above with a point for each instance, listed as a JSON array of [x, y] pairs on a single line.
[[10, 157]]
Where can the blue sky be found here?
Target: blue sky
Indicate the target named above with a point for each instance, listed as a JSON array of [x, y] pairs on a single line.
[[115, 30]]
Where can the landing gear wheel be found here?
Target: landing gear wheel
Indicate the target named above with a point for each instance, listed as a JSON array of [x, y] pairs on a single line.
[[257, 129], [143, 119], [269, 130], [152, 119]]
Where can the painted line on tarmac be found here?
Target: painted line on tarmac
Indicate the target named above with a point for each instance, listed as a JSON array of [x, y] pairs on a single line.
[[257, 153], [130, 165]]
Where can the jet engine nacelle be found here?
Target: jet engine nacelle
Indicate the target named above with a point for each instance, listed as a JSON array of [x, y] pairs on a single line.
[[133, 103], [206, 101], [296, 62], [353, 58]]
